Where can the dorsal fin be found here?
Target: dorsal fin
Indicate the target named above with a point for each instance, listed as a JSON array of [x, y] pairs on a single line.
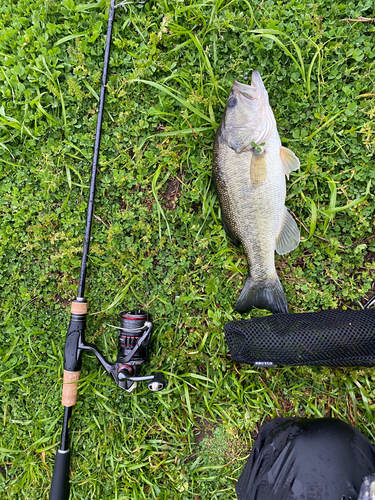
[[289, 160]]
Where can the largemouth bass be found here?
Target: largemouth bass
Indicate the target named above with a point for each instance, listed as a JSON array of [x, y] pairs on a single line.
[[249, 169]]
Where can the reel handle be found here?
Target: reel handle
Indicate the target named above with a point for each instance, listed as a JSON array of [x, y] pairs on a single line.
[[157, 383]]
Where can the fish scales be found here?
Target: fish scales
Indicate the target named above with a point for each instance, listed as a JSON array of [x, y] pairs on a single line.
[[251, 188]]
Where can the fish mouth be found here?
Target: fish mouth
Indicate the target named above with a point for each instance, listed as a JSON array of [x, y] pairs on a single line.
[[246, 98], [241, 86], [248, 92]]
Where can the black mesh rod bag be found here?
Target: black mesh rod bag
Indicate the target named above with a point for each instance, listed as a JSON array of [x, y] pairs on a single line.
[[328, 338]]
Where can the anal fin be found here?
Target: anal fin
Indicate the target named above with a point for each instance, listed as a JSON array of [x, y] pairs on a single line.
[[289, 237]]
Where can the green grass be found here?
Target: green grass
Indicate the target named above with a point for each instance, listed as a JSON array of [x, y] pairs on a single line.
[[157, 240]]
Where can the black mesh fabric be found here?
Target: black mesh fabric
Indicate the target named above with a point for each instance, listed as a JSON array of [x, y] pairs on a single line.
[[327, 338]]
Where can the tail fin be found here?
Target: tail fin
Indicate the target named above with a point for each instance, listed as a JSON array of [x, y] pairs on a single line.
[[268, 295]]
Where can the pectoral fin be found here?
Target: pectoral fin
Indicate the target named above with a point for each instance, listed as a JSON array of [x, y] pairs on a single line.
[[289, 160], [289, 237], [258, 169]]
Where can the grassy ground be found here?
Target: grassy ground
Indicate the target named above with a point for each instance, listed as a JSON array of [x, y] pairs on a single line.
[[157, 238]]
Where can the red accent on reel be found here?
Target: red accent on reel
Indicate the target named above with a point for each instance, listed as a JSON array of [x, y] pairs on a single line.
[[136, 315], [128, 367]]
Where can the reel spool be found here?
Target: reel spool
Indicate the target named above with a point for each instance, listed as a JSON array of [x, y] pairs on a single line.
[[132, 324]]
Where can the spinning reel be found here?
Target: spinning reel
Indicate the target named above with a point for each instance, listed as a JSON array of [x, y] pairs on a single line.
[[134, 337]]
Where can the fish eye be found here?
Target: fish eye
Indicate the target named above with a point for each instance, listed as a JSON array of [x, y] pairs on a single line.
[[232, 102]]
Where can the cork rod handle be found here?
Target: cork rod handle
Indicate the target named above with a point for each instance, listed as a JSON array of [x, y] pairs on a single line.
[[70, 388], [79, 308]]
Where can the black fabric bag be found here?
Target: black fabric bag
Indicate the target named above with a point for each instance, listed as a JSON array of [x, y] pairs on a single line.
[[326, 338], [307, 459]]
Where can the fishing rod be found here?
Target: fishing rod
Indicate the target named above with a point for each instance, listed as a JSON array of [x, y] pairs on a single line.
[[135, 329]]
